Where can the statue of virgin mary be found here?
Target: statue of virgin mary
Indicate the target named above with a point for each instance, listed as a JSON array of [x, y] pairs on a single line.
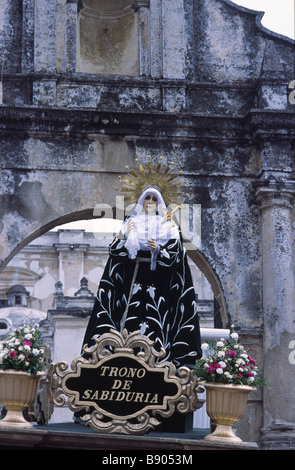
[[147, 284]]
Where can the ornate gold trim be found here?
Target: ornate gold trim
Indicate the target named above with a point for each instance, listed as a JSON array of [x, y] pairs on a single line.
[[136, 349], [152, 174]]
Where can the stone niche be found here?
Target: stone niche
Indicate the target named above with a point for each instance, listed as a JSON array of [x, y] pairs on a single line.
[[108, 37]]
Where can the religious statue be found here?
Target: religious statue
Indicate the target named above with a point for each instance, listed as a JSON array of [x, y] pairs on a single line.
[[147, 284]]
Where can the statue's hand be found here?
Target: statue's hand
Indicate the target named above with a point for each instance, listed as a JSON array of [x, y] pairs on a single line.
[[152, 244], [130, 226]]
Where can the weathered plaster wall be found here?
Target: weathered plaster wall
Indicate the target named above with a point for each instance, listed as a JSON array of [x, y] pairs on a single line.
[[211, 95]]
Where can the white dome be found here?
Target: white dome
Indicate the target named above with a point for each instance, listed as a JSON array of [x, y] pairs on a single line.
[[17, 316]]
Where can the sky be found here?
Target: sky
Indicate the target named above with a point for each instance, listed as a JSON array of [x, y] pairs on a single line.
[[279, 14]]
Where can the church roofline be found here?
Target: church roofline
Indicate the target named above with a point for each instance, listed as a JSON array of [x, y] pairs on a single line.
[[258, 17]]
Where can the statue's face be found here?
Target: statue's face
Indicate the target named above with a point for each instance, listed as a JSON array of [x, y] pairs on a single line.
[[150, 203]]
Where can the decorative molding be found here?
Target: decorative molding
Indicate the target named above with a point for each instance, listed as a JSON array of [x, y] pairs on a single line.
[[275, 193], [113, 13], [134, 411]]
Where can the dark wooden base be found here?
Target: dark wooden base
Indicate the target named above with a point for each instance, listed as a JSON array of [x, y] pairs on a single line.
[[71, 436]]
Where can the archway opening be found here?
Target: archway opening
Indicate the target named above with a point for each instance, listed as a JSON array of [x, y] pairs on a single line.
[[221, 319], [76, 246]]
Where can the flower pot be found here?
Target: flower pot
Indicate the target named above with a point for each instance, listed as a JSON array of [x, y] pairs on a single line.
[[225, 404], [17, 392]]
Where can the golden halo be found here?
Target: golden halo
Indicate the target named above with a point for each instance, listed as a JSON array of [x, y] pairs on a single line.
[[152, 174]]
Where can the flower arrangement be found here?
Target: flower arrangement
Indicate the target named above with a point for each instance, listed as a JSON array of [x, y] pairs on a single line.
[[22, 350], [228, 362]]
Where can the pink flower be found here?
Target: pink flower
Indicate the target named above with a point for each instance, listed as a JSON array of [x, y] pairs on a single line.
[[240, 375], [12, 353], [232, 353], [27, 343], [213, 367]]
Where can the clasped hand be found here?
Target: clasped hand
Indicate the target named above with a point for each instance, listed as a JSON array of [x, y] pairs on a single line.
[[152, 244]]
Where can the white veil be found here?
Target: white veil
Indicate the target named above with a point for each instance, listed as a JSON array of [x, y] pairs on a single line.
[[149, 226]]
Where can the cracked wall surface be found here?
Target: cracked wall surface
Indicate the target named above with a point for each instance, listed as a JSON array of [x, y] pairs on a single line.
[[210, 93]]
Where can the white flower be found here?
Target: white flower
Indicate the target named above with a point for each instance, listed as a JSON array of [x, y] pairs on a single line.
[[220, 344], [234, 335], [222, 364], [228, 375], [35, 351], [205, 346], [245, 356], [27, 347], [221, 354], [240, 362], [21, 357], [28, 336], [219, 370]]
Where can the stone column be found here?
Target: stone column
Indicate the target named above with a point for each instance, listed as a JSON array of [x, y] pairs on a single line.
[[44, 89], [28, 9], [10, 36], [174, 39], [144, 37], [66, 37], [71, 265], [156, 39], [278, 308], [45, 36]]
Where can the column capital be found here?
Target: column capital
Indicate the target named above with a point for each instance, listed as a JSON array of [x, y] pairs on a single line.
[[273, 193]]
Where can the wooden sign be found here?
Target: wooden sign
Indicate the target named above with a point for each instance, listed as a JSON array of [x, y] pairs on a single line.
[[123, 386]]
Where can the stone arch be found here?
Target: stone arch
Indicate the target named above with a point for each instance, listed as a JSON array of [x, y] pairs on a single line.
[[205, 267], [71, 217]]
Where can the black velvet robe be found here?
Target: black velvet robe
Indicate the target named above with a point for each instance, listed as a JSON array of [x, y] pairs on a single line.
[[160, 303]]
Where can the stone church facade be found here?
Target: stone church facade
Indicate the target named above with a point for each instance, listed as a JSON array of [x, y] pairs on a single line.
[[88, 86]]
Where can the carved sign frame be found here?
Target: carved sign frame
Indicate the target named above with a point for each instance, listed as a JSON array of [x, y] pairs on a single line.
[[132, 386]]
